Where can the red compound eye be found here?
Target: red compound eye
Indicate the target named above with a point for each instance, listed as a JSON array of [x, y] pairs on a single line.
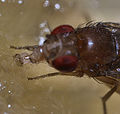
[[62, 29], [65, 63]]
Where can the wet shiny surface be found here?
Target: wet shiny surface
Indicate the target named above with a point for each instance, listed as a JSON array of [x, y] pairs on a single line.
[[23, 23]]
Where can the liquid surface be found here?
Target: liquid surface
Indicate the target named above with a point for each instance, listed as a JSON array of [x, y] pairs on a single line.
[[23, 23]]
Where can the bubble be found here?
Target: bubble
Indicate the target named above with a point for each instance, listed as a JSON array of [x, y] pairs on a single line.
[[3, 87], [34, 107], [57, 6], [5, 113], [2, 0], [9, 105], [20, 1], [0, 84], [11, 82], [10, 92]]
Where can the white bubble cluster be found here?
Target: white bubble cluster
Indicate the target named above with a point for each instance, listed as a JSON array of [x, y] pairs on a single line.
[[42, 39], [13, 1], [44, 29], [46, 3]]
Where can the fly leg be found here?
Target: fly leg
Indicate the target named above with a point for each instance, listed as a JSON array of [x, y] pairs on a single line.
[[30, 48], [44, 76], [77, 74], [106, 97]]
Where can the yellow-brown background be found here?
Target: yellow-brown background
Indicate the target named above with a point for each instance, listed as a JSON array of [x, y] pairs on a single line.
[[19, 26]]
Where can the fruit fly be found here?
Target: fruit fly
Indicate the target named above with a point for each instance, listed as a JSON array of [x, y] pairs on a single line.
[[93, 50]]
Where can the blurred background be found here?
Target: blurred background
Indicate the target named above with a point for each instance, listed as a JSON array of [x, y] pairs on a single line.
[[26, 22]]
